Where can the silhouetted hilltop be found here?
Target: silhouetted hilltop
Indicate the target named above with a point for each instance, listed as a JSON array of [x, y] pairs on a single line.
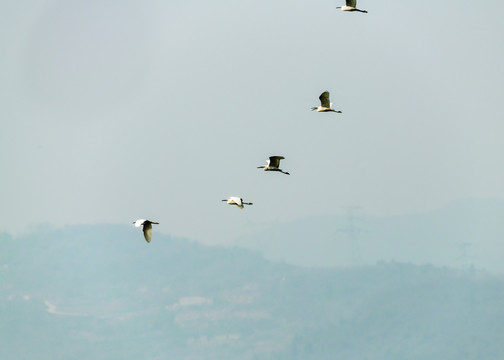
[[463, 233]]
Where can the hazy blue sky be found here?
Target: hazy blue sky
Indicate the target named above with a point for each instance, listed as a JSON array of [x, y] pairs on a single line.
[[116, 110]]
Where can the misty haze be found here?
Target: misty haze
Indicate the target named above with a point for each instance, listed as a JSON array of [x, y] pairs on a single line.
[[379, 235]]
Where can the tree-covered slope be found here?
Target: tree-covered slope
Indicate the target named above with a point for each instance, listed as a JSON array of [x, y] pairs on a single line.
[[101, 292]]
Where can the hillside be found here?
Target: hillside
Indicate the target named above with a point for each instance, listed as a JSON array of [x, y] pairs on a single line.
[[101, 292]]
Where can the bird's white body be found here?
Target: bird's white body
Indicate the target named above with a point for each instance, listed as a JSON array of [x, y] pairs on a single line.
[[351, 5], [147, 228], [238, 201], [325, 104], [273, 164], [324, 109], [139, 222]]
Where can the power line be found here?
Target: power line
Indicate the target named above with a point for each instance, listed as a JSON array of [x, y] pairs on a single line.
[[352, 231]]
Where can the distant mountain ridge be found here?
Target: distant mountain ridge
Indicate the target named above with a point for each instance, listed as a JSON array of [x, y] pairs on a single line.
[[464, 233], [102, 292]]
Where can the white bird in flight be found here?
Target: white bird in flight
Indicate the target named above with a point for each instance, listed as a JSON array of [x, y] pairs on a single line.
[[350, 6], [325, 104], [238, 201], [273, 164], [147, 228]]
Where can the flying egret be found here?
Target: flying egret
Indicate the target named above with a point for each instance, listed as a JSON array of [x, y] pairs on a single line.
[[350, 6], [273, 164], [238, 201], [325, 104], [147, 228]]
